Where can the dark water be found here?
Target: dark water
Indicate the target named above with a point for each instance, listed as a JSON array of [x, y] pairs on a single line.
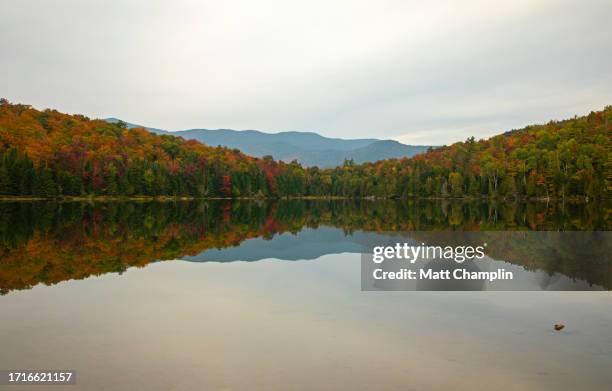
[[195, 295]]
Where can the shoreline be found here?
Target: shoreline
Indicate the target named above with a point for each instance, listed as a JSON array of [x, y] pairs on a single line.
[[105, 198]]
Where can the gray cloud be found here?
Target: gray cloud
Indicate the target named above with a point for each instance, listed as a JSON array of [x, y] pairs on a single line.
[[418, 71]]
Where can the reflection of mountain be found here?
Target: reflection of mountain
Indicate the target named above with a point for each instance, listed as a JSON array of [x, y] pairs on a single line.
[[306, 244], [45, 242]]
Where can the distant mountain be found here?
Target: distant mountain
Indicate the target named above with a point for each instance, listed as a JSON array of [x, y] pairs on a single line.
[[310, 149]]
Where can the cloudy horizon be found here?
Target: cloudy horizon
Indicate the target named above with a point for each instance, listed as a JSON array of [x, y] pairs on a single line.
[[418, 72]]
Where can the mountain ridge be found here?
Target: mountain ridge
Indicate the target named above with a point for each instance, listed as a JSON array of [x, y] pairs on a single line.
[[308, 148]]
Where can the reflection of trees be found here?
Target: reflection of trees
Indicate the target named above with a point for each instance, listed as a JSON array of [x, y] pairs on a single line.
[[47, 243], [579, 255]]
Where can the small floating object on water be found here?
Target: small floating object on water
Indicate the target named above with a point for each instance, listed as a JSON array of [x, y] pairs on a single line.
[[559, 326]]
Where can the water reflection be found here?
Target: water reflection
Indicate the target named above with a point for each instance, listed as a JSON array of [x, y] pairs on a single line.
[[43, 242]]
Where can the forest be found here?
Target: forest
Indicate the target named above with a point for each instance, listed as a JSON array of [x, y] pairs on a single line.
[[51, 154]]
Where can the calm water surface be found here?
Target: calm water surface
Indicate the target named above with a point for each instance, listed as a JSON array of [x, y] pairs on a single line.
[[267, 296]]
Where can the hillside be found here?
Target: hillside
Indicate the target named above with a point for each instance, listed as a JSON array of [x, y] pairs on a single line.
[[309, 149], [561, 159], [47, 153]]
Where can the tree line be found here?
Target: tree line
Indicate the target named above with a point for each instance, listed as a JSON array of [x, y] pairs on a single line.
[[50, 154]]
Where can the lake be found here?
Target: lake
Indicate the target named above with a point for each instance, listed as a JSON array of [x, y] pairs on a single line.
[[268, 295]]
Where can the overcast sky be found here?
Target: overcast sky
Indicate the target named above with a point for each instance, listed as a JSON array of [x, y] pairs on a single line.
[[422, 72]]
